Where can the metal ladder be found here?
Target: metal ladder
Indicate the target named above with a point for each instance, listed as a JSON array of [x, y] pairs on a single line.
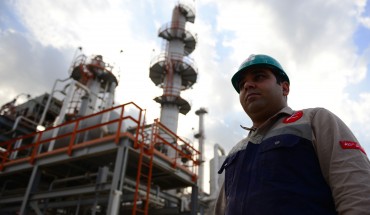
[[144, 175]]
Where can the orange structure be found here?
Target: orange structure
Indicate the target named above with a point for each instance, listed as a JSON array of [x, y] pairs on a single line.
[[125, 161], [79, 153]]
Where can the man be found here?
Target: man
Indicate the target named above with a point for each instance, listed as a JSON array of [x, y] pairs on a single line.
[[292, 162]]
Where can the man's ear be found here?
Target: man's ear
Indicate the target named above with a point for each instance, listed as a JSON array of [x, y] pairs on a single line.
[[286, 88]]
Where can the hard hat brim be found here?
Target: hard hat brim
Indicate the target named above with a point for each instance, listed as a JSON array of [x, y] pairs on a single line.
[[235, 80]]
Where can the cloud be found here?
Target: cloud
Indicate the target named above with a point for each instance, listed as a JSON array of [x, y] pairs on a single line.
[[313, 40], [54, 30], [317, 52], [27, 66]]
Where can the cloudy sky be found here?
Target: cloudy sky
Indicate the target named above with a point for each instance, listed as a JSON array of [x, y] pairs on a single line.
[[324, 47]]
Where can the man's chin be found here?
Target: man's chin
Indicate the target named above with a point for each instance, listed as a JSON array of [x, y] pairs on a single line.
[[255, 106], [253, 109]]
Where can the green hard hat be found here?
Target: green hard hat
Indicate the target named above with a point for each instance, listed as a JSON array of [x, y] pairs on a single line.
[[255, 60]]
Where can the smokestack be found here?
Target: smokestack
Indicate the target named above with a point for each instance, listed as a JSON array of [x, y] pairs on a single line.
[[201, 138]]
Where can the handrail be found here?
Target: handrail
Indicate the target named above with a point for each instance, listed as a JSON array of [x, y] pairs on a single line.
[[174, 56], [183, 149], [152, 137], [179, 27], [32, 142]]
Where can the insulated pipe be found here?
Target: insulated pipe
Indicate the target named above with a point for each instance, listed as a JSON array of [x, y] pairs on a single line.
[[214, 191], [62, 113], [108, 104], [110, 99], [49, 100], [216, 161], [56, 180], [69, 96], [116, 202], [85, 88], [103, 98], [85, 176], [94, 88], [17, 120]]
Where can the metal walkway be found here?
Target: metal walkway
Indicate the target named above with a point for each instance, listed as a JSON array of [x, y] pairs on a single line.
[[79, 168]]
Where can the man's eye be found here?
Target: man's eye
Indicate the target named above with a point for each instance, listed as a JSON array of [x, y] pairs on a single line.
[[259, 77], [241, 84]]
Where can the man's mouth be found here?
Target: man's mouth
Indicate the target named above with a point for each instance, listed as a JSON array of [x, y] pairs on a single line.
[[251, 95]]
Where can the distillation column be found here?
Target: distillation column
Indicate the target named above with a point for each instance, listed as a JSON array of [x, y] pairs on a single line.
[[201, 138], [90, 90], [97, 76], [173, 70]]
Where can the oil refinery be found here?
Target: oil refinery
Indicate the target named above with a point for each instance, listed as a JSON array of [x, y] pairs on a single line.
[[73, 151]]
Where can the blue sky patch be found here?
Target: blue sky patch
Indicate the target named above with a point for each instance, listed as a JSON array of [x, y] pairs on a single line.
[[362, 38], [8, 18], [361, 87], [208, 12], [367, 9]]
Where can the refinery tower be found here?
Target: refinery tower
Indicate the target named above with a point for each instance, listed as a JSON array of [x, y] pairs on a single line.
[[72, 151], [174, 70]]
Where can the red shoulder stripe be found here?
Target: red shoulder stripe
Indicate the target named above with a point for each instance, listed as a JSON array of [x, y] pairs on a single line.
[[351, 145]]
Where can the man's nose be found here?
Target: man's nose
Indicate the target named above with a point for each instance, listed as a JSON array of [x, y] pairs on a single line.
[[248, 85]]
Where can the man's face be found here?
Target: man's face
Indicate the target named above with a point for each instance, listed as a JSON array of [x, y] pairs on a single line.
[[260, 94]]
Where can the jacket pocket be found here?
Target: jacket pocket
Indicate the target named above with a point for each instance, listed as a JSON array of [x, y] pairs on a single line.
[[283, 158]]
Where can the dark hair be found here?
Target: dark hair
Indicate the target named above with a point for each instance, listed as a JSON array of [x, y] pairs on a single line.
[[279, 78]]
